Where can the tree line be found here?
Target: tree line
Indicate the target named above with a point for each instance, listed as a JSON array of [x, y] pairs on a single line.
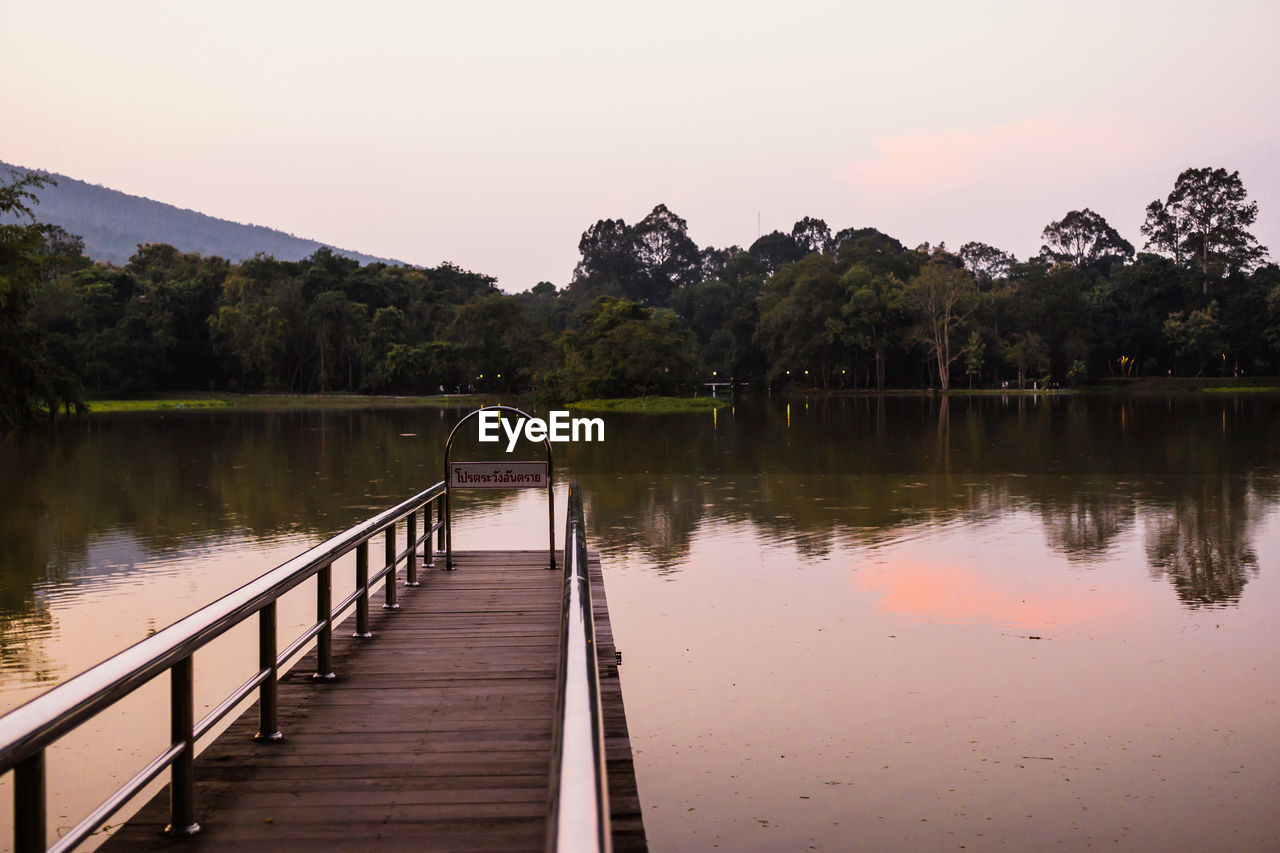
[[648, 311]]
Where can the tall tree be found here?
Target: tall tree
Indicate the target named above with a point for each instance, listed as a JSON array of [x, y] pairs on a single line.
[[872, 316], [942, 296], [974, 354], [607, 260], [255, 322], [877, 251], [1086, 240], [1270, 283], [620, 348], [985, 263], [1026, 351], [30, 379], [494, 341], [668, 257], [1197, 334], [337, 327], [1204, 224], [800, 324], [812, 235], [180, 292], [774, 250]]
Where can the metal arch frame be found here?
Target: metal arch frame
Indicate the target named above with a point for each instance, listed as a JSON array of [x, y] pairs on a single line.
[[447, 527]]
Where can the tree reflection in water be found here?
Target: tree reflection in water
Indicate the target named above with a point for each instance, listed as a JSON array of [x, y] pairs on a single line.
[[1198, 473], [1202, 543]]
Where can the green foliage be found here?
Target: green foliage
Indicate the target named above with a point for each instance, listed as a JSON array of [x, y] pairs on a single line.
[[1204, 224], [249, 325], [1272, 331], [941, 297], [874, 314], [800, 327], [1197, 334], [974, 355], [647, 312], [495, 343], [1085, 239], [986, 264], [1027, 353], [621, 349], [31, 380], [643, 263]]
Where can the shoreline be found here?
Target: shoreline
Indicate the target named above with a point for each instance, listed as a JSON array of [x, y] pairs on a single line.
[[204, 401]]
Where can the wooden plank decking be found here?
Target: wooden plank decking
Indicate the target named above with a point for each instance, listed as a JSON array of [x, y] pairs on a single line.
[[436, 735]]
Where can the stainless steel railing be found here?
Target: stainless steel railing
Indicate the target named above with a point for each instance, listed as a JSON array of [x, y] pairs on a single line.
[[578, 813], [28, 730]]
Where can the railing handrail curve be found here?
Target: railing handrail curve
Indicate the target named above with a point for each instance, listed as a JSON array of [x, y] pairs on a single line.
[[30, 727], [578, 807]]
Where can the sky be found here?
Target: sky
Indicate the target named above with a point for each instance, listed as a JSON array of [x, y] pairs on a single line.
[[491, 135]]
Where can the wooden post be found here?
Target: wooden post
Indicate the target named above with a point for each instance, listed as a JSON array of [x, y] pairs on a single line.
[[29, 805], [268, 727], [324, 616], [362, 586], [182, 783], [411, 540], [389, 554]]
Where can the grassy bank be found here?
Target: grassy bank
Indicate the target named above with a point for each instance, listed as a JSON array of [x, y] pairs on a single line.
[[106, 406], [1145, 385], [1191, 384], [649, 405], [283, 402], [930, 392]]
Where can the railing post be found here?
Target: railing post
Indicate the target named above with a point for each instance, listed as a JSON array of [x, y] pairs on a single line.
[[428, 554], [440, 518], [268, 707], [362, 585], [448, 526], [182, 783], [389, 555], [29, 805], [411, 540], [324, 615], [551, 517]]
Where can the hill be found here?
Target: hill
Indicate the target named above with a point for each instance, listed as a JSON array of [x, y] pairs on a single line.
[[113, 223]]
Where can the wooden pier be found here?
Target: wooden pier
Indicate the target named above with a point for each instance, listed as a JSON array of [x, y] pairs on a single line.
[[435, 734]]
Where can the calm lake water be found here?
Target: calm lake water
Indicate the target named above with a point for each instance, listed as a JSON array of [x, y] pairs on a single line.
[[879, 623]]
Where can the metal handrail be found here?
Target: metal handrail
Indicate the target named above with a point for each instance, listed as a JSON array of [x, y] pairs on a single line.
[[27, 730], [578, 810]]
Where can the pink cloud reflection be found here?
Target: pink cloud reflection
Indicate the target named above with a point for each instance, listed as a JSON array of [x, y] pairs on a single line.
[[933, 591]]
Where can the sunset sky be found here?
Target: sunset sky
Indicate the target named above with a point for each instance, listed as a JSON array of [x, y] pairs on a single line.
[[491, 135]]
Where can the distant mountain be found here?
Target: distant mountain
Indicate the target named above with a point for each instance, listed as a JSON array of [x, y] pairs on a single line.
[[113, 223]]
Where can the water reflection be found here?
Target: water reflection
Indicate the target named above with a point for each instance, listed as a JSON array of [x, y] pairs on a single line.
[[1203, 542], [853, 471], [1084, 526], [1032, 598], [750, 552], [828, 472]]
